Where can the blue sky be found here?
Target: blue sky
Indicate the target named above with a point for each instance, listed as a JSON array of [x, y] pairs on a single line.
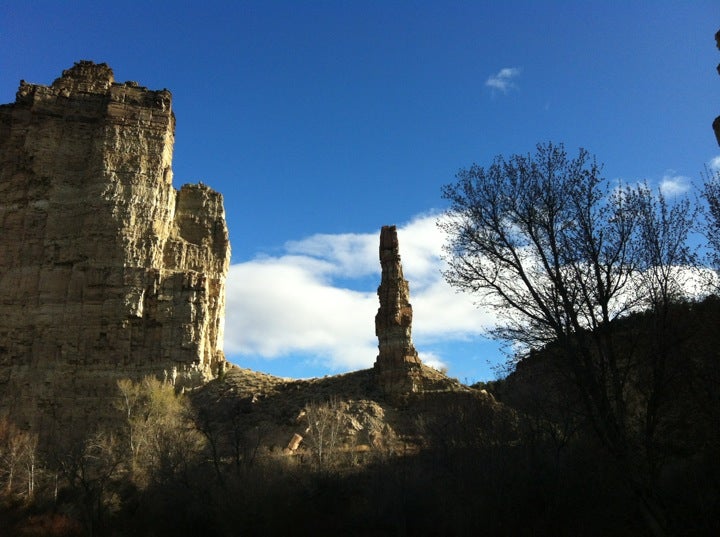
[[322, 121]]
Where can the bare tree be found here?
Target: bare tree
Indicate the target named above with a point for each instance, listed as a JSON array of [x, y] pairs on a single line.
[[563, 255], [325, 421], [244, 441], [18, 456], [92, 468], [711, 193], [161, 433]]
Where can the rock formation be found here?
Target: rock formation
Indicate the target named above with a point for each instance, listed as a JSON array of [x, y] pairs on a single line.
[[106, 271], [398, 368]]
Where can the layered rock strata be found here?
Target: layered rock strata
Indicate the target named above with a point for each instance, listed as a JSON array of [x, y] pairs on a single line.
[[398, 368], [106, 270]]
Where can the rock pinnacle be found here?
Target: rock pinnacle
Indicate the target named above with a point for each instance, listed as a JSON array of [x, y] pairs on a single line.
[[397, 366]]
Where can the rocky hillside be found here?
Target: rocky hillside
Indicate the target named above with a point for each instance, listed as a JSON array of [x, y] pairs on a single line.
[[278, 410]]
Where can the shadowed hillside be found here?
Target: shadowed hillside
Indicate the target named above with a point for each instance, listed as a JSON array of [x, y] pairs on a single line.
[[278, 407]]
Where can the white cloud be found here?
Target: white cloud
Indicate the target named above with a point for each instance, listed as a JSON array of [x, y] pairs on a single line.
[[301, 302], [317, 301], [674, 185], [350, 255], [433, 360], [504, 79], [279, 306], [714, 163]]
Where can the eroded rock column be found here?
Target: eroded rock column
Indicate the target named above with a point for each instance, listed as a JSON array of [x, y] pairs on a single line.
[[397, 367]]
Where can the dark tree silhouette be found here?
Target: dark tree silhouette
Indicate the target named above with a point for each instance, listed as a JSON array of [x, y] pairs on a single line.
[[563, 255]]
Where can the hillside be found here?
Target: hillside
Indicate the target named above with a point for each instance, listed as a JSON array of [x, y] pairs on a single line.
[[278, 408]]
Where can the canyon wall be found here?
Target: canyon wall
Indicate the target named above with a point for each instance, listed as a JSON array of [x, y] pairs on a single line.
[[106, 270]]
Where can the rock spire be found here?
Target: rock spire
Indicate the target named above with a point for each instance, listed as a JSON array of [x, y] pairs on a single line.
[[106, 270], [398, 367]]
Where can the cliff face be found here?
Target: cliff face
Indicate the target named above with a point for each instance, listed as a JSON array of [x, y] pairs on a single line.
[[398, 368], [106, 271]]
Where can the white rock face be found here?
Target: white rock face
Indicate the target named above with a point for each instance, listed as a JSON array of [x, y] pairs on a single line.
[[106, 271]]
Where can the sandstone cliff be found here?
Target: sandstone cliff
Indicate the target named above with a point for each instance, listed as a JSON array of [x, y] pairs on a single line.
[[106, 270]]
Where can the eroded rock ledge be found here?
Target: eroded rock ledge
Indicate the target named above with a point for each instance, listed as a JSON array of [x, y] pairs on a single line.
[[106, 270]]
